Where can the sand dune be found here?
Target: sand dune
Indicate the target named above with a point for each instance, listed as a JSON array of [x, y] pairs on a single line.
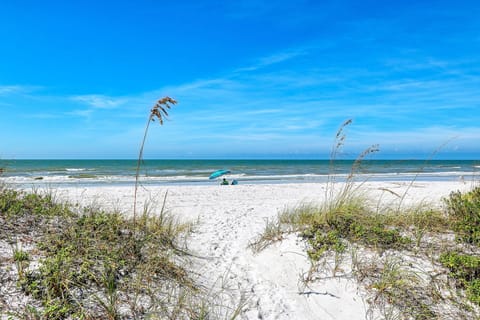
[[229, 218]]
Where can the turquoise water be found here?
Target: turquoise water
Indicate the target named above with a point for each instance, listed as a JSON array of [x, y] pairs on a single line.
[[95, 172]]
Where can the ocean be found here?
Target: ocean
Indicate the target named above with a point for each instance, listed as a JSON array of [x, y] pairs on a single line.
[[57, 173]]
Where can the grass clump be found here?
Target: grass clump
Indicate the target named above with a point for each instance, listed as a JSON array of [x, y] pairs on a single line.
[[352, 224], [22, 260], [386, 250], [99, 253], [333, 227], [395, 284], [15, 203], [97, 264]]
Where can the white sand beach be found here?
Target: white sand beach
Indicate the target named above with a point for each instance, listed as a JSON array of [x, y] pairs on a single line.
[[228, 218]]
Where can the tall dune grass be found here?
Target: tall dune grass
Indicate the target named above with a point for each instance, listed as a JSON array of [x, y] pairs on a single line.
[[402, 247], [159, 112]]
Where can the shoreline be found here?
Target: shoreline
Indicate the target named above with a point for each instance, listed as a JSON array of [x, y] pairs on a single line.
[[73, 173], [25, 182]]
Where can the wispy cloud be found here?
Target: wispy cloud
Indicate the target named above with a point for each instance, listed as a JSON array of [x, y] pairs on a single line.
[[274, 59], [9, 89], [264, 111], [281, 57], [80, 113], [16, 89], [99, 101], [427, 137], [44, 116]]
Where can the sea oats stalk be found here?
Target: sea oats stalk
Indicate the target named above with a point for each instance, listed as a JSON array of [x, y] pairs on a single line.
[[337, 197], [336, 148], [159, 111]]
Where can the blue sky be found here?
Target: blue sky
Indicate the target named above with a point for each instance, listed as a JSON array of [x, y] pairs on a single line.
[[254, 79]]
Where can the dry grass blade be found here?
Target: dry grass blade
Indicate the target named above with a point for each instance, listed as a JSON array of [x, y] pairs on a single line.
[[158, 111]]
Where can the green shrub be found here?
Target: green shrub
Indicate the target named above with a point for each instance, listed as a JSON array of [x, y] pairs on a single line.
[[463, 267], [9, 202], [464, 209], [321, 242], [466, 269], [473, 291]]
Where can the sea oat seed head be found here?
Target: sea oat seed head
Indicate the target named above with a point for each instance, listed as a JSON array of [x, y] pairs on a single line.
[[159, 110]]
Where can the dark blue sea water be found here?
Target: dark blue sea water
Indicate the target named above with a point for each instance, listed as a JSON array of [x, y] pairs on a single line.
[[164, 172]]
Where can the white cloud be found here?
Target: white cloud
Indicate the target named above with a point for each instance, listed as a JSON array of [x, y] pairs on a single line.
[[81, 113], [9, 89], [274, 59], [100, 101], [280, 57], [428, 138], [15, 89]]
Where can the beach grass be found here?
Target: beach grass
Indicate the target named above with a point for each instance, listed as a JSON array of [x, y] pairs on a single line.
[[85, 263], [407, 260], [403, 256]]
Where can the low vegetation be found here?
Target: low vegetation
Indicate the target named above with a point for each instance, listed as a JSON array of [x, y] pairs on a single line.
[[464, 265], [87, 263], [416, 263], [465, 212]]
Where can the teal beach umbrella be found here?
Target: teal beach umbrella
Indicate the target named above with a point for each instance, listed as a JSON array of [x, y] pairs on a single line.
[[218, 173]]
